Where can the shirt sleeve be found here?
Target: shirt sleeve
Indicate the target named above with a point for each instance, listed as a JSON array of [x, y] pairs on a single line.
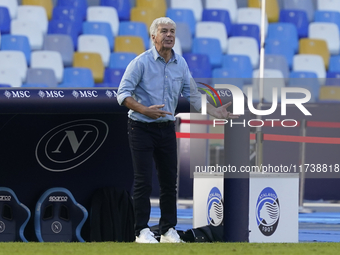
[[190, 90], [129, 81]]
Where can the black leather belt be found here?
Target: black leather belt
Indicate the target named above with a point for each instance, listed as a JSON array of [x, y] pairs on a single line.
[[152, 124]]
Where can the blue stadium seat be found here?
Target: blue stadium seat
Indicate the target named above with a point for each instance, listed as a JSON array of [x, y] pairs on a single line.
[[77, 77], [184, 35], [284, 32], [218, 15], [280, 47], [123, 8], [327, 16], [34, 85], [5, 86], [133, 28], [225, 73], [99, 28], [113, 76], [194, 5], [332, 79], [228, 76], [5, 20], [17, 42], [302, 74], [65, 27], [212, 29], [14, 216], [120, 60], [231, 6], [334, 64], [59, 217], [313, 88], [298, 18], [240, 62], [249, 30], [210, 47], [183, 15], [103, 85], [307, 80], [199, 65], [81, 5], [68, 13], [305, 5], [333, 75]]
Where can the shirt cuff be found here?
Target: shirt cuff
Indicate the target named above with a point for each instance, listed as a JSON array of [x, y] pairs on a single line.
[[121, 97], [197, 104]]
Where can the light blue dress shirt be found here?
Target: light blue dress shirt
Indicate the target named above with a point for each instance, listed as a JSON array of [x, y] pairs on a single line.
[[152, 81]]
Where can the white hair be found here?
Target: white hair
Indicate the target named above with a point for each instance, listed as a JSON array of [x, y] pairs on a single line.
[[157, 22]]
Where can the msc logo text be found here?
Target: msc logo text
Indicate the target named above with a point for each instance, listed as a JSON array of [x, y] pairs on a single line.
[[17, 94]]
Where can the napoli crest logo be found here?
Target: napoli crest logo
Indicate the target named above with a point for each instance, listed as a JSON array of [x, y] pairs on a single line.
[[267, 211], [215, 207]]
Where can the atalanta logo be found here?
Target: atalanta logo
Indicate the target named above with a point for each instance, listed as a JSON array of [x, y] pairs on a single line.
[[215, 207], [267, 211]]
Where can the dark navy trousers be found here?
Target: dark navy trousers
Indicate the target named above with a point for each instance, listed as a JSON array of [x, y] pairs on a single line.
[[154, 142]]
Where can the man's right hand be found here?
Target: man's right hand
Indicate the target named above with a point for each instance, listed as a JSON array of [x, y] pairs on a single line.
[[155, 112]]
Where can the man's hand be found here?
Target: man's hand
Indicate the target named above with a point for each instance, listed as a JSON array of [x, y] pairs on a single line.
[[155, 112], [221, 112]]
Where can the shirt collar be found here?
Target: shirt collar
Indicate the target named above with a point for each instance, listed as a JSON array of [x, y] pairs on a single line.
[[156, 55]]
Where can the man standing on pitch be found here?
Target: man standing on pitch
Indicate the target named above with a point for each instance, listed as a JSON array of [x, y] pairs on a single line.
[[150, 88]]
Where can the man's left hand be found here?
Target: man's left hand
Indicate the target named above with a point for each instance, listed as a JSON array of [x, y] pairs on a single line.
[[221, 112]]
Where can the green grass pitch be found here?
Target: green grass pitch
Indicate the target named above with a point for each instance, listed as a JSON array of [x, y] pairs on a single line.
[[112, 248]]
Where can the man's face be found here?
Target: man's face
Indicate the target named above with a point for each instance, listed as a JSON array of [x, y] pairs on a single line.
[[165, 37]]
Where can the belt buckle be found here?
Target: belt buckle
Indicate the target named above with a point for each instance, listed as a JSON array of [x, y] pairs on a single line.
[[167, 123]]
